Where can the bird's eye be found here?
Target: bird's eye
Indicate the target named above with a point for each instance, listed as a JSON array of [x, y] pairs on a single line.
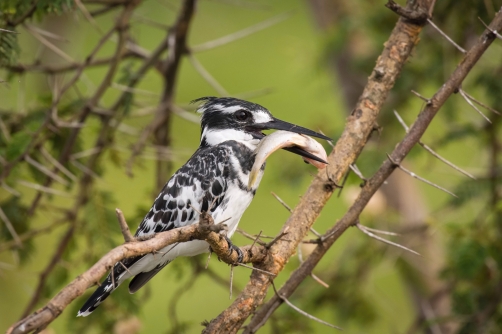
[[241, 115]]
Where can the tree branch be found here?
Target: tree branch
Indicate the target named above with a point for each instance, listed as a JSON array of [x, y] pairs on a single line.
[[204, 230], [359, 126], [402, 149]]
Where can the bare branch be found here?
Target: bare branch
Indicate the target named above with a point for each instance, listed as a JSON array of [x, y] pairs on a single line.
[[419, 178], [281, 201], [495, 32], [200, 231], [311, 317], [240, 34], [56, 163], [428, 101], [44, 189], [365, 230], [49, 45], [207, 76], [231, 280], [124, 228], [482, 104], [459, 48], [417, 16], [11, 228], [254, 268], [374, 183], [356, 170], [5, 30], [45, 170], [431, 151], [472, 105]]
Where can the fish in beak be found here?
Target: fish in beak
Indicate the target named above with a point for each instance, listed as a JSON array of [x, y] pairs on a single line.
[[277, 124], [311, 151]]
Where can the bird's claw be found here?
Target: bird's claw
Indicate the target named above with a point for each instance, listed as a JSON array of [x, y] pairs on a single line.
[[232, 247]]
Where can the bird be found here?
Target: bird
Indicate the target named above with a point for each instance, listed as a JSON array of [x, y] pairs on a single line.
[[213, 180]]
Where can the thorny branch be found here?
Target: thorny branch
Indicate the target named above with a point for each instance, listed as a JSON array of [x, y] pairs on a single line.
[[359, 126], [402, 149], [204, 230]]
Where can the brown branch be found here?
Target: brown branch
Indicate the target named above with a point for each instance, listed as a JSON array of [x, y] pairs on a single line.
[[124, 228], [402, 149], [48, 269], [360, 125], [204, 230], [418, 16], [55, 69], [176, 44]]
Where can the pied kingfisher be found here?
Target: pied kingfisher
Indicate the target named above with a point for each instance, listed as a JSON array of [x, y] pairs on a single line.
[[216, 174]]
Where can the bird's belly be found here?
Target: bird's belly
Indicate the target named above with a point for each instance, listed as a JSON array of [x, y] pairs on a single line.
[[232, 208]]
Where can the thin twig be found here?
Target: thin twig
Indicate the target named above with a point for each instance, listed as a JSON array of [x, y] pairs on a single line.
[[88, 16], [11, 228], [431, 151], [418, 177], [241, 33], [254, 268], [473, 106], [45, 170], [49, 45], [59, 166], [281, 201], [446, 36], [256, 239], [127, 269], [356, 171], [284, 299], [10, 189], [208, 258], [482, 104], [320, 281], [44, 189], [5, 30], [495, 32], [374, 236], [124, 228], [231, 280], [374, 230], [47, 33], [278, 237], [207, 76], [428, 101]]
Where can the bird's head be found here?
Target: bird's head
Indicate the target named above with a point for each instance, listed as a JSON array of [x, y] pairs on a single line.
[[227, 118]]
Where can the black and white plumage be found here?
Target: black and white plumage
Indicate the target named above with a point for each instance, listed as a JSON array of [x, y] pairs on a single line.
[[215, 178]]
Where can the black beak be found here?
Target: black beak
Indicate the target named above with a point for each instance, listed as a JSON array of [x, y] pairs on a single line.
[[277, 124]]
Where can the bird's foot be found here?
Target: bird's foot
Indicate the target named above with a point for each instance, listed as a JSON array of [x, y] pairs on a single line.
[[232, 247]]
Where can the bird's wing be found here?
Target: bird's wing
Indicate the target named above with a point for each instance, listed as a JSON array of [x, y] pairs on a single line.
[[201, 184]]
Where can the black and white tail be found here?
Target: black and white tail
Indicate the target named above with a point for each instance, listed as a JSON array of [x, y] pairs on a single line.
[[101, 293]]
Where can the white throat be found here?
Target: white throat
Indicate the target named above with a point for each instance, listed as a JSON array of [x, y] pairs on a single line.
[[215, 137]]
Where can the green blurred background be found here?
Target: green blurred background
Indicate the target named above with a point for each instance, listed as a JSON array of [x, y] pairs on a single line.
[[307, 69]]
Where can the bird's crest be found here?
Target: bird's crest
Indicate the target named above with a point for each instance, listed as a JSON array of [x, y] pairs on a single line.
[[205, 100]]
